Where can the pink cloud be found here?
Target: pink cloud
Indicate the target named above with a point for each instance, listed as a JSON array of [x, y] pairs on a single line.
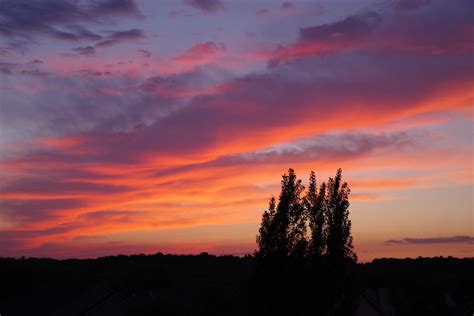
[[201, 53]]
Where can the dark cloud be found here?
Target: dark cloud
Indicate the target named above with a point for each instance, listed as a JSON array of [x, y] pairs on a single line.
[[411, 4], [328, 38], [6, 51], [436, 28], [353, 28], [352, 32], [430, 27], [114, 38], [25, 19], [93, 73], [205, 6], [119, 37], [262, 12], [432, 240], [393, 242], [180, 13], [145, 53], [77, 32], [34, 62], [115, 7], [124, 106], [184, 85], [287, 6], [31, 68], [84, 51], [34, 72]]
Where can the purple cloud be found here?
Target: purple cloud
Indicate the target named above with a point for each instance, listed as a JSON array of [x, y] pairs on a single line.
[[411, 4], [287, 6], [25, 19], [205, 6], [352, 28], [84, 51], [145, 53], [262, 12], [32, 68], [436, 28], [119, 37], [113, 137]]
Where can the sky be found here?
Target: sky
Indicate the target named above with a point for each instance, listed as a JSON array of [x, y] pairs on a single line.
[[145, 126]]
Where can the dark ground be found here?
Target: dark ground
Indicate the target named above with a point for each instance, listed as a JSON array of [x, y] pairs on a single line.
[[226, 285]]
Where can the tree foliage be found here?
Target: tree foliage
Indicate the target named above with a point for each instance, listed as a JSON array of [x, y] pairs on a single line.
[[338, 229], [283, 229], [324, 210], [316, 212], [265, 236]]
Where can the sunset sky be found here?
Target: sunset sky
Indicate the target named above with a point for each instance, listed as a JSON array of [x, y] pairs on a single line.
[[144, 126]]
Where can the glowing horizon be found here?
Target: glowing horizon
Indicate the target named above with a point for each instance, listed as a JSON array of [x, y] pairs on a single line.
[[137, 126]]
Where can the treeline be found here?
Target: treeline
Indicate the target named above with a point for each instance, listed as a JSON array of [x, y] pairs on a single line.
[[223, 285], [312, 223]]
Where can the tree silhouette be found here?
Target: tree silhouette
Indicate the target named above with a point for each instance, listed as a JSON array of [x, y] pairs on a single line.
[[316, 210], [267, 232], [283, 230], [338, 229]]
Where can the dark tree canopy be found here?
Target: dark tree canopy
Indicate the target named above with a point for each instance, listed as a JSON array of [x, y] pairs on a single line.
[[283, 229], [338, 229], [316, 212], [266, 232], [325, 210]]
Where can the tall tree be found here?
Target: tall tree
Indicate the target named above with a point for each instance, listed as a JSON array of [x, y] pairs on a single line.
[[266, 231], [316, 207], [338, 229], [291, 223], [283, 234]]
